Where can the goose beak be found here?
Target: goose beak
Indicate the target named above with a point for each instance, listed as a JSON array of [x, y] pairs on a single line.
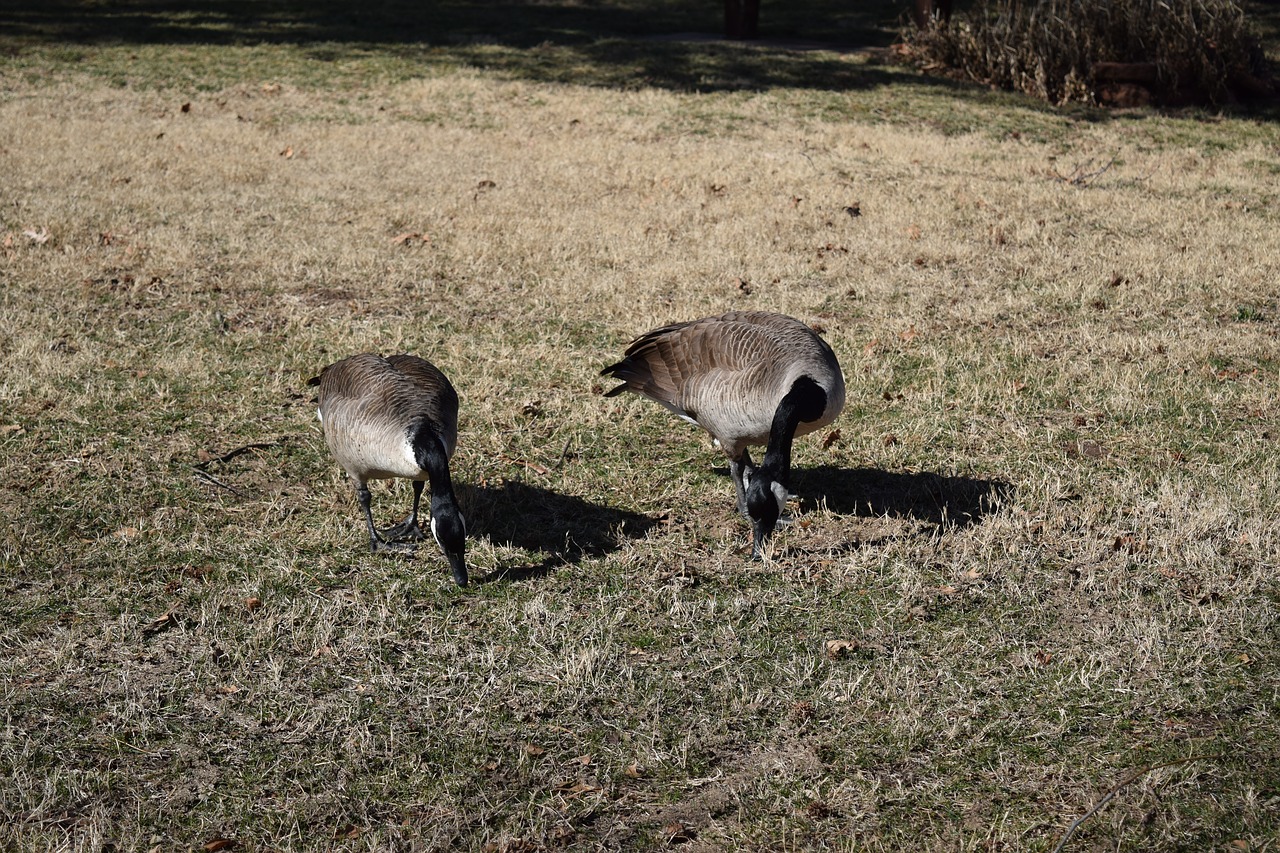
[[459, 568], [760, 540]]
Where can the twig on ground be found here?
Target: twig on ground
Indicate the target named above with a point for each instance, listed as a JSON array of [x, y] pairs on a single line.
[[564, 454], [232, 454], [1079, 177], [212, 480], [1107, 797]]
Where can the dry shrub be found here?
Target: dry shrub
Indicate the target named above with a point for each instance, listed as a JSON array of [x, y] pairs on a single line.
[[1177, 50]]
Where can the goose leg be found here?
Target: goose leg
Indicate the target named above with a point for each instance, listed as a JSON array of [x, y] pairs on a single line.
[[375, 543], [407, 529], [738, 469]]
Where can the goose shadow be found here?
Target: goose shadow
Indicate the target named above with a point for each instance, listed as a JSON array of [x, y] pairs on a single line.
[[925, 496], [564, 528]]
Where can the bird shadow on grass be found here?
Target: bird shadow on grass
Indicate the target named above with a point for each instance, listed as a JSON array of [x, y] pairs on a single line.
[[924, 496], [564, 528]]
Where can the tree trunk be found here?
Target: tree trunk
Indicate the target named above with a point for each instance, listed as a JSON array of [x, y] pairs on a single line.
[[741, 19], [922, 11]]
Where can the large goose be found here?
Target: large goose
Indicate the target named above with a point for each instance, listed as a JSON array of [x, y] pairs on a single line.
[[748, 378], [396, 417]]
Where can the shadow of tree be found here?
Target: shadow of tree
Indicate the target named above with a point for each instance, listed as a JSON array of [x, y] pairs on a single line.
[[924, 496], [563, 527], [519, 23], [624, 43]]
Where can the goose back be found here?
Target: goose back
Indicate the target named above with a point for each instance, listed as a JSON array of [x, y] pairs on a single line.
[[728, 373], [374, 410]]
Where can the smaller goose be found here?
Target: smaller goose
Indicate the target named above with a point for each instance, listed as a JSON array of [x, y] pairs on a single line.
[[748, 378], [396, 417]]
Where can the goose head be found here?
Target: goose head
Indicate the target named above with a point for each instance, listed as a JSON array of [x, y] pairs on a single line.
[[450, 530], [766, 501]]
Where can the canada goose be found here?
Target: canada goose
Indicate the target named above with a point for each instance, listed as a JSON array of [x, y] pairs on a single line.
[[746, 377], [396, 417]]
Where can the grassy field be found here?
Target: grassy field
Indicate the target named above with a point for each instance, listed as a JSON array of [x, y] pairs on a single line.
[[1035, 558]]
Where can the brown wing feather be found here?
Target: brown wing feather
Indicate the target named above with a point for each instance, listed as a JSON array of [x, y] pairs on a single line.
[[728, 373]]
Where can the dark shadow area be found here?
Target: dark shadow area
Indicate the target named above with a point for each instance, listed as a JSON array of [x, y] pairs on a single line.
[[563, 527], [516, 23], [926, 496], [622, 43]]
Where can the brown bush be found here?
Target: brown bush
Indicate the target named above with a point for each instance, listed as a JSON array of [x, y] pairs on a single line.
[[1169, 51]]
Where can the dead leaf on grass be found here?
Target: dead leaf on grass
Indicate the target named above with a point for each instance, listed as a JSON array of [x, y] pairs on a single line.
[[533, 750], [832, 438], [287, 153], [161, 623], [252, 603], [632, 771], [677, 833], [215, 844], [837, 649], [576, 788], [409, 237]]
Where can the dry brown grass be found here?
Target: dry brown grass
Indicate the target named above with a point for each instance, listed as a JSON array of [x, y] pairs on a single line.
[[1044, 542]]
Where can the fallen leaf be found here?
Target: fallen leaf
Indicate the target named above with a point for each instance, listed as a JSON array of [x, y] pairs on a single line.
[[871, 346], [1043, 657], [839, 648], [832, 438], [971, 574], [533, 749], [126, 532], [161, 623], [947, 590], [1091, 449], [287, 153], [575, 788], [584, 760], [632, 770], [909, 335], [215, 844], [913, 232], [252, 603], [677, 833]]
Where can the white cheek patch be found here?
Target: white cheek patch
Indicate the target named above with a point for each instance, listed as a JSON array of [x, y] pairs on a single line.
[[780, 495]]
